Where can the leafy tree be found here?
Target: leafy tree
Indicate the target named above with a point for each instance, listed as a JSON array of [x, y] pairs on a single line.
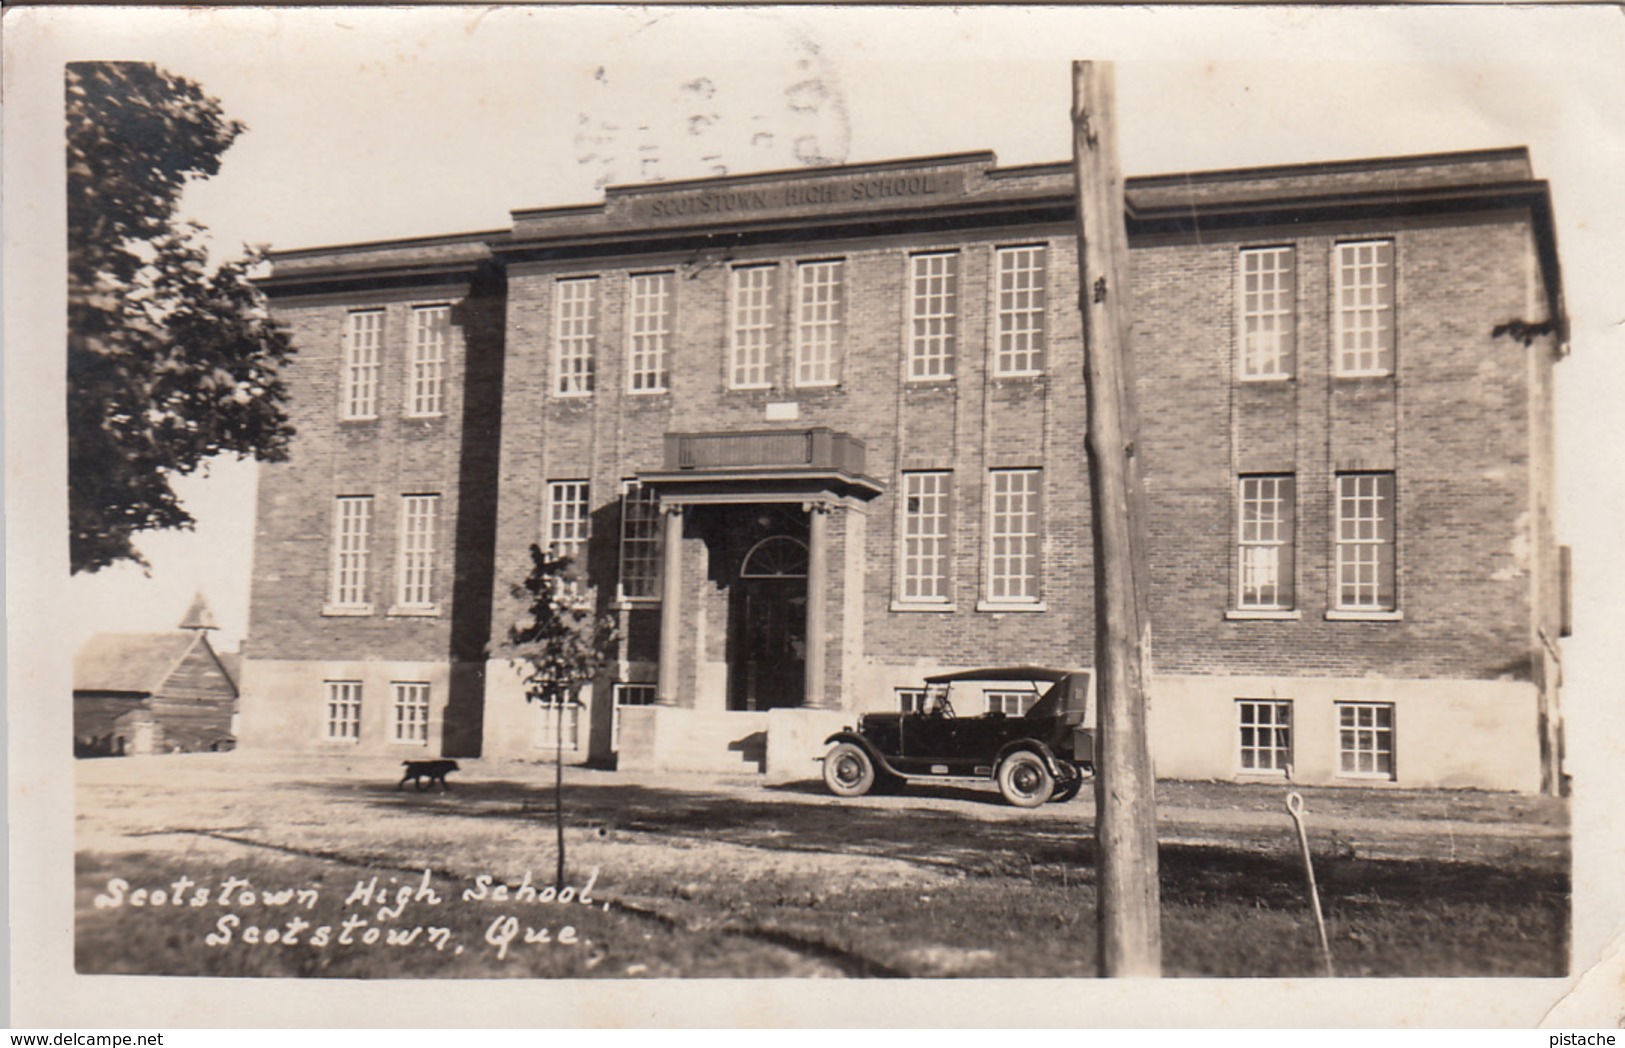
[[170, 361], [560, 647]]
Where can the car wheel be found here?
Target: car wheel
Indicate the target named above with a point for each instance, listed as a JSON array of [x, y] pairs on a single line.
[[1067, 792], [848, 771], [1024, 780]]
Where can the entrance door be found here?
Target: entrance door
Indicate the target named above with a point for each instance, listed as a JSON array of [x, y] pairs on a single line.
[[770, 627]]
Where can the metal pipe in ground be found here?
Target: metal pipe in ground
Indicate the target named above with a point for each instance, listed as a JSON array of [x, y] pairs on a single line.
[[1294, 807]]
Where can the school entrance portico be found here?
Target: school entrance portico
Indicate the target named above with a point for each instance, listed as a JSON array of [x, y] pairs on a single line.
[[761, 618]]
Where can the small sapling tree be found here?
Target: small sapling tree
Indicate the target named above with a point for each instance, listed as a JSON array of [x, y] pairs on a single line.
[[560, 646]]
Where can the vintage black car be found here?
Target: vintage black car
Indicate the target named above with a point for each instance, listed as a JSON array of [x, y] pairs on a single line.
[[1044, 753]]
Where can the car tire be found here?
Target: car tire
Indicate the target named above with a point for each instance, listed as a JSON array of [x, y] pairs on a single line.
[[1067, 792], [848, 771], [1024, 780]]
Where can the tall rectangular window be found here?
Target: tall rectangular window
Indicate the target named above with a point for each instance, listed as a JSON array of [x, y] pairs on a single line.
[[343, 719], [363, 350], [1265, 535], [628, 695], [1268, 312], [1266, 735], [576, 330], [750, 364], [1365, 739], [568, 527], [925, 552], [649, 320], [352, 537], [410, 710], [640, 542], [416, 558], [1013, 535], [431, 341], [820, 303], [1365, 308], [1021, 311], [556, 716], [933, 315], [1365, 541]]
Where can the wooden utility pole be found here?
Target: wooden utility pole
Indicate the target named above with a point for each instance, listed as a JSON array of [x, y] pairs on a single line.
[[1127, 900]]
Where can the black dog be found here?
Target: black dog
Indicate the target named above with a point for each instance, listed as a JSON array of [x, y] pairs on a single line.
[[432, 771]]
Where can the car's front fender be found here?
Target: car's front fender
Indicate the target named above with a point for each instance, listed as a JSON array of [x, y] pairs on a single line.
[[868, 747]]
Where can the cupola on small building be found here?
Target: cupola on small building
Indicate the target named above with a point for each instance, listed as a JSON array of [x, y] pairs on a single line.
[[814, 435]]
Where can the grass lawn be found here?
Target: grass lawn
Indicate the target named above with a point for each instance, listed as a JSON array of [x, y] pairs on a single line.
[[705, 879]]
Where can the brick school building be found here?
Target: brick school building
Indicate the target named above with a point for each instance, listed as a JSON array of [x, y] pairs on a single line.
[[816, 434]]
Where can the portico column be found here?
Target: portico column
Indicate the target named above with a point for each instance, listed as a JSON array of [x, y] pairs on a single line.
[[817, 601], [671, 593]]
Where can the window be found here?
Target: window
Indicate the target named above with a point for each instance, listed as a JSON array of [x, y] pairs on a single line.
[[1013, 535], [411, 712], [1266, 542], [352, 527], [417, 551], [431, 339], [577, 330], [640, 542], [913, 700], [568, 525], [1021, 311], [363, 345], [650, 312], [1365, 541], [1268, 304], [925, 537], [629, 695], [343, 721], [1010, 703], [1365, 308], [1266, 735], [934, 315], [751, 361], [819, 307], [549, 714], [1365, 739]]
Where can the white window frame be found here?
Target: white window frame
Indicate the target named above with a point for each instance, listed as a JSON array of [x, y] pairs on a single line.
[[820, 322], [918, 547], [415, 553], [1008, 701], [641, 538], [628, 693], [350, 565], [575, 336], [341, 721], [547, 723], [568, 527], [431, 347], [363, 362], [1364, 554], [1359, 737], [409, 712], [1004, 586], [752, 324], [1021, 302], [1266, 553], [1365, 342], [651, 301], [1266, 310], [1264, 737], [913, 700], [933, 296]]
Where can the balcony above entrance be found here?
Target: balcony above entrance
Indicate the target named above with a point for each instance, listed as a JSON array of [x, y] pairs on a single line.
[[745, 466]]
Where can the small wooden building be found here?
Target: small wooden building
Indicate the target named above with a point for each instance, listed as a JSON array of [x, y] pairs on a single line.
[[145, 693]]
